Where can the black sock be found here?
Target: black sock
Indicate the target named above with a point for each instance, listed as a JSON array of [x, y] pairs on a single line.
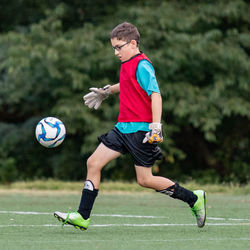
[[87, 201], [178, 192]]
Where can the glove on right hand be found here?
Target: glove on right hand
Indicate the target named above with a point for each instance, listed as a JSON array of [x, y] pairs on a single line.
[[96, 96], [154, 135]]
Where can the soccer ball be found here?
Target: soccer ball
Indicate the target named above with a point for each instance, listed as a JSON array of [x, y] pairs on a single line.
[[50, 132]]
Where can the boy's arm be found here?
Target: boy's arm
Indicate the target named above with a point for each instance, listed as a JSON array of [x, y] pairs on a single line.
[[115, 88], [155, 134], [156, 107]]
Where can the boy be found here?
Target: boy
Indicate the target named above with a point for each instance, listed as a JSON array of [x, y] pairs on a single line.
[[137, 132]]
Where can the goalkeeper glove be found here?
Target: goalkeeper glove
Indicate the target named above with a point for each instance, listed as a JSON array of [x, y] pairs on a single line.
[[154, 135], [96, 96]]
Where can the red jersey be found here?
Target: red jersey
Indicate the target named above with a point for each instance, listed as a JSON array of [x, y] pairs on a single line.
[[135, 104]]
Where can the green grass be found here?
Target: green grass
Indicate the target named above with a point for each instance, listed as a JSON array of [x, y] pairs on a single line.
[[228, 223], [120, 186]]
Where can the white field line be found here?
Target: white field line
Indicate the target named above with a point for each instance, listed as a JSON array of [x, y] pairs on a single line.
[[100, 215], [131, 225], [23, 212], [120, 215], [131, 216], [169, 225]]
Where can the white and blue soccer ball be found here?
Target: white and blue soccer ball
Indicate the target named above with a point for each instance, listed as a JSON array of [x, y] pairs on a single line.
[[50, 132]]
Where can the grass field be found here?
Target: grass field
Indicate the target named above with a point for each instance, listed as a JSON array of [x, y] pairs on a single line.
[[122, 221]]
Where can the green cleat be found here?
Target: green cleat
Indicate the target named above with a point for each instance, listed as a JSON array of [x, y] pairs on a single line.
[[74, 219], [199, 208]]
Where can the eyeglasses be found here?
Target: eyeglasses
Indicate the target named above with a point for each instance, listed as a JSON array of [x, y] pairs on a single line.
[[118, 48]]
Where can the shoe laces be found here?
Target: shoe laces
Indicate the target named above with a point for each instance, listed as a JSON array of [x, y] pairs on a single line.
[[67, 218]]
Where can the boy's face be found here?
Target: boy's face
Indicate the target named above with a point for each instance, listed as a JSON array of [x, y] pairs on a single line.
[[124, 50]]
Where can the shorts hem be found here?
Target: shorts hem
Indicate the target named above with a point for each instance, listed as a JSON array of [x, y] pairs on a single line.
[[110, 146]]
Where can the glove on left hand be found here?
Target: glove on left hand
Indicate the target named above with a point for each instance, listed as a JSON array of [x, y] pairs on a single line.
[[154, 135], [96, 96]]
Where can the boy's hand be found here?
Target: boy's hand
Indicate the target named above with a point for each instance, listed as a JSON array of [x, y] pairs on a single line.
[[154, 135], [96, 96]]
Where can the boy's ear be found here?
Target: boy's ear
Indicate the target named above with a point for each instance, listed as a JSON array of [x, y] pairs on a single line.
[[133, 42]]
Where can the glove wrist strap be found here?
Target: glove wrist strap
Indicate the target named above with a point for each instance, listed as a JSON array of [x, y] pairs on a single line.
[[155, 126], [107, 89]]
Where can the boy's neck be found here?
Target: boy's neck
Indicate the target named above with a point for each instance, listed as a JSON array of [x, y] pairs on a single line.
[[133, 56], [136, 52]]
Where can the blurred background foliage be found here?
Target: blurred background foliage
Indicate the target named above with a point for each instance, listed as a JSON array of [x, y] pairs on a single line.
[[52, 52]]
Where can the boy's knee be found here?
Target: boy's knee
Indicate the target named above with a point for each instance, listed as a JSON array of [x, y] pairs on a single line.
[[91, 163], [142, 182]]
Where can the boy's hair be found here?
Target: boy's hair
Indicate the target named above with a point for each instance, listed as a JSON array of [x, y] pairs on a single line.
[[126, 31]]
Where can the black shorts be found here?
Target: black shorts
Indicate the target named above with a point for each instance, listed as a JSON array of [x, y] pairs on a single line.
[[144, 154]]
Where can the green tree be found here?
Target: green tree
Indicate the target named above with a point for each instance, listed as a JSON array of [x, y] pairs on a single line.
[[200, 51]]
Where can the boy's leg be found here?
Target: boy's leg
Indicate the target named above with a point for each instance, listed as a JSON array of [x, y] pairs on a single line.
[[95, 163], [196, 200], [145, 178], [101, 156], [164, 185]]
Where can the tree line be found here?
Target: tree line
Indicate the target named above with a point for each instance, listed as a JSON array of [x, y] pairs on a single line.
[[54, 51]]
